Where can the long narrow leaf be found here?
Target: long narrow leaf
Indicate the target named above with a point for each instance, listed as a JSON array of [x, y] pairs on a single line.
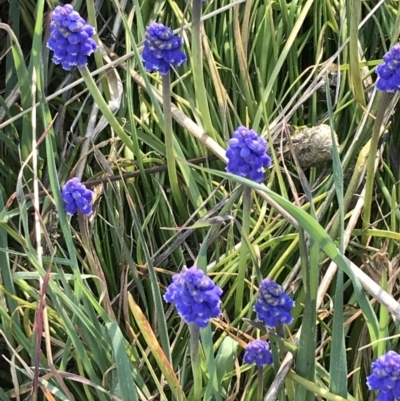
[[125, 380]]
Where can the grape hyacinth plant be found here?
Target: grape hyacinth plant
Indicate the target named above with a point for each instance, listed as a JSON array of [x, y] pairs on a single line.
[[72, 43], [273, 305], [197, 300], [162, 49], [388, 81], [196, 297], [389, 71], [76, 197], [161, 52], [70, 38], [257, 351], [247, 155], [385, 377]]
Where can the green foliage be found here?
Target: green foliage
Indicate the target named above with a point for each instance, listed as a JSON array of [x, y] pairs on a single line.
[[98, 329]]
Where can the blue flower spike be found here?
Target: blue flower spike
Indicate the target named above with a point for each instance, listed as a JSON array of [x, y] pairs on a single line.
[[385, 377], [70, 38], [196, 297], [257, 351], [247, 155], [162, 49], [273, 305], [389, 72], [76, 197]]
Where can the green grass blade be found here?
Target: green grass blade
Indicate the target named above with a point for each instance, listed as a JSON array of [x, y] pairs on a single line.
[[355, 71], [213, 388], [125, 380], [305, 361], [338, 362], [156, 294], [6, 274]]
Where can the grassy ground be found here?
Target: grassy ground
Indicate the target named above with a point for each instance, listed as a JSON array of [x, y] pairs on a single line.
[[80, 312]]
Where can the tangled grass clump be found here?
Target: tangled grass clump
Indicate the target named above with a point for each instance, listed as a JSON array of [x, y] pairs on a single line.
[[293, 289]]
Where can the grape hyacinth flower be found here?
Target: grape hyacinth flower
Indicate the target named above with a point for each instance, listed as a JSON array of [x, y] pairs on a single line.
[[77, 197], [247, 155], [385, 377], [389, 72], [162, 49], [273, 305], [196, 297], [70, 38], [257, 351]]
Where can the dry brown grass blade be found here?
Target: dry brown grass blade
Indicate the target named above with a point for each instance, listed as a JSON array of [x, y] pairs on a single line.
[[156, 350]]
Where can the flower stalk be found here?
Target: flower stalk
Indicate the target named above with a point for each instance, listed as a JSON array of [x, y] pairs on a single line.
[[244, 251], [195, 360], [260, 383]]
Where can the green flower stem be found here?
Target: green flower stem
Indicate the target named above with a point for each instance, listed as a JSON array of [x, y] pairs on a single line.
[[383, 317], [195, 359], [373, 147], [244, 251], [260, 383], [197, 69], [169, 142], [278, 353], [103, 106], [280, 330]]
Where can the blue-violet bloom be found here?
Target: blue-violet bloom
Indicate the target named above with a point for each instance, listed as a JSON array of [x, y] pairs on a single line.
[[257, 351], [385, 377], [77, 197], [273, 305], [70, 38], [389, 72], [196, 297], [247, 155], [162, 49]]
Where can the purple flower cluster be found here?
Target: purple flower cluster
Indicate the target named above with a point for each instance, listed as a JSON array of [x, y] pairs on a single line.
[[257, 351], [385, 377], [273, 305], [77, 197], [196, 297], [247, 155], [70, 38], [162, 49], [389, 71]]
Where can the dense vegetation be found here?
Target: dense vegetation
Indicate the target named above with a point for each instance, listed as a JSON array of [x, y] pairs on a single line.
[[82, 314]]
